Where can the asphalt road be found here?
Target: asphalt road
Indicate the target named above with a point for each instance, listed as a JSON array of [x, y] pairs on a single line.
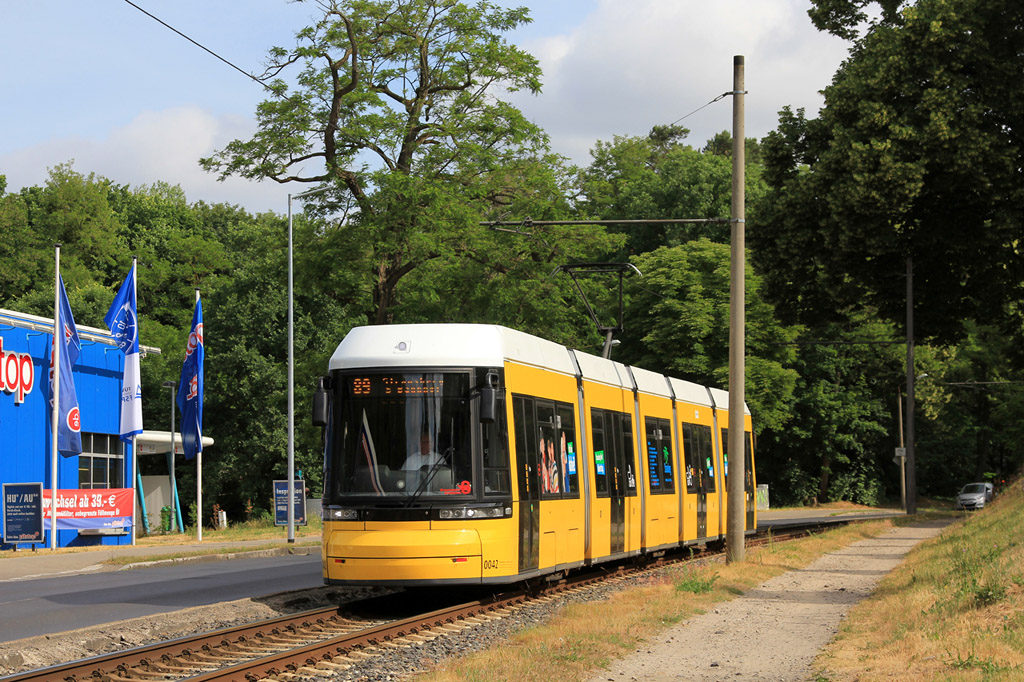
[[46, 605]]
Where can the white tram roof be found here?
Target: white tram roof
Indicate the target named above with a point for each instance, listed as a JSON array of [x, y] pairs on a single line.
[[603, 370], [721, 399], [689, 392], [446, 345], [490, 345], [650, 382]]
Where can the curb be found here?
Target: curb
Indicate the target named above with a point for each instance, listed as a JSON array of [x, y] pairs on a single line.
[[252, 554]]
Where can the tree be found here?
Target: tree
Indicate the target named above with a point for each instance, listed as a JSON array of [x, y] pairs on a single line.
[[973, 407], [396, 109], [677, 323], [658, 177], [843, 17], [839, 441], [916, 154]]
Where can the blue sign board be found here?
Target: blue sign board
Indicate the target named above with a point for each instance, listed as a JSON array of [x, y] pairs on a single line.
[[23, 512], [281, 503]]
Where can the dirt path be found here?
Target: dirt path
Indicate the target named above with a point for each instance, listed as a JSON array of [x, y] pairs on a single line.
[[774, 632]]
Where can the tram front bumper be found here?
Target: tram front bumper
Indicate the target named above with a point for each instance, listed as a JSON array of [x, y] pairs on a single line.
[[402, 556]]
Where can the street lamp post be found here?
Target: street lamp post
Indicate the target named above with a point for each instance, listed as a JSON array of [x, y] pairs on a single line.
[[291, 365]]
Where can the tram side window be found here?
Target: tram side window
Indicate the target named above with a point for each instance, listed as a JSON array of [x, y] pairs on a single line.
[[548, 429], [691, 455], [526, 447], [707, 450], [725, 456], [568, 449], [614, 461], [625, 425], [495, 451], [550, 469], [748, 463], [600, 454], [659, 456]]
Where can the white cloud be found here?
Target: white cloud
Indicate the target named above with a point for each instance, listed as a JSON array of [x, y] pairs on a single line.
[[610, 68], [629, 66], [155, 146]]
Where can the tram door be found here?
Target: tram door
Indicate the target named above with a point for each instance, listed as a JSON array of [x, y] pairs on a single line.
[[699, 470], [749, 499], [614, 473], [529, 483], [748, 481]]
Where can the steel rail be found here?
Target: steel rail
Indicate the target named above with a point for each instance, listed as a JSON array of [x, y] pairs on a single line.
[[310, 641], [88, 667]]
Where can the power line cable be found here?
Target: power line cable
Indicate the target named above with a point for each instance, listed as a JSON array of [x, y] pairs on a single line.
[[164, 23], [720, 97]]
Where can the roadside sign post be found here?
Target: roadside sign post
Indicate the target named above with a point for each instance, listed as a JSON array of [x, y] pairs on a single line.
[[901, 459], [298, 506], [23, 513]]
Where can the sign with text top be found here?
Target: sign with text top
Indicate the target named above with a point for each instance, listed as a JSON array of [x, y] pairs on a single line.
[[78, 509], [23, 512], [281, 502]]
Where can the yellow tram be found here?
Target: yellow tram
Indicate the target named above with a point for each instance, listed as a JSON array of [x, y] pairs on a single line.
[[477, 454]]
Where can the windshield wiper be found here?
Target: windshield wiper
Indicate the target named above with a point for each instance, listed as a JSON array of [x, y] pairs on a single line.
[[429, 476]]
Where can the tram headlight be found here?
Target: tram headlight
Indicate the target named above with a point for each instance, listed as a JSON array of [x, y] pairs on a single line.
[[474, 512]]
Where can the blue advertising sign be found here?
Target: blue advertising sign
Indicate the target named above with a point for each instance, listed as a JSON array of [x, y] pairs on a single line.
[[23, 512], [281, 502]]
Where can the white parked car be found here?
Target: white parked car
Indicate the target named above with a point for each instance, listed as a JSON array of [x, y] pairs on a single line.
[[974, 495]]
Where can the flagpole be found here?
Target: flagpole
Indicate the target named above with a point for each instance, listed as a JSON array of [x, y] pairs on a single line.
[[55, 396], [199, 480], [135, 451]]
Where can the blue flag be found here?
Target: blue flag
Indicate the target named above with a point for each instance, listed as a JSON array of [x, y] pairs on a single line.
[[190, 388], [69, 419], [123, 321]]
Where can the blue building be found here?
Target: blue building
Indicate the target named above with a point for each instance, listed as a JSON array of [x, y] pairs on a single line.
[[25, 432]]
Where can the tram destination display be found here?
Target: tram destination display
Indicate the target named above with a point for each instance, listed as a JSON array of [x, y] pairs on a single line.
[[385, 385]]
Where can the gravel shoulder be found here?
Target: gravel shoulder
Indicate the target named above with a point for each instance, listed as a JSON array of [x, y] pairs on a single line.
[[774, 632]]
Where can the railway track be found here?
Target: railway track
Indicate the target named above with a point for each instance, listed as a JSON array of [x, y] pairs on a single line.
[[325, 641]]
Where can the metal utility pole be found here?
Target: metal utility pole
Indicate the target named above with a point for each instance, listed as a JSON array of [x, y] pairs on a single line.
[[911, 473], [736, 509], [55, 393], [291, 362], [903, 459]]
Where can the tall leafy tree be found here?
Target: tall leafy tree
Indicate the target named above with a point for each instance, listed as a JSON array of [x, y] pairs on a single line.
[[659, 176], [844, 17], [397, 108], [916, 154], [677, 322]]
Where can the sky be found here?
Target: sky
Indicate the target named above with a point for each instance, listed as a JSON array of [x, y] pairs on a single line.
[[104, 86]]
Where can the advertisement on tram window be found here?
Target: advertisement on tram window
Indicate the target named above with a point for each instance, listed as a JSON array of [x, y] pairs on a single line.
[[78, 509]]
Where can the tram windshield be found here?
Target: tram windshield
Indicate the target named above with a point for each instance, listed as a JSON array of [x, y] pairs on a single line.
[[402, 435]]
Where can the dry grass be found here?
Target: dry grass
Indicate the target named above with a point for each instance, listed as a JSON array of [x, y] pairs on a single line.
[[243, 531], [954, 610], [584, 636]]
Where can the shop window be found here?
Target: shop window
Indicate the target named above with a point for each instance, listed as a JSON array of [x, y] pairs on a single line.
[[101, 464]]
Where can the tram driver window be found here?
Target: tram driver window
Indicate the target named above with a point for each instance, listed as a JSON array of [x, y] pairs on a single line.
[[495, 455]]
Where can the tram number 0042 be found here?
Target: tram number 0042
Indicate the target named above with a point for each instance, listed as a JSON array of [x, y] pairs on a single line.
[[490, 564]]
